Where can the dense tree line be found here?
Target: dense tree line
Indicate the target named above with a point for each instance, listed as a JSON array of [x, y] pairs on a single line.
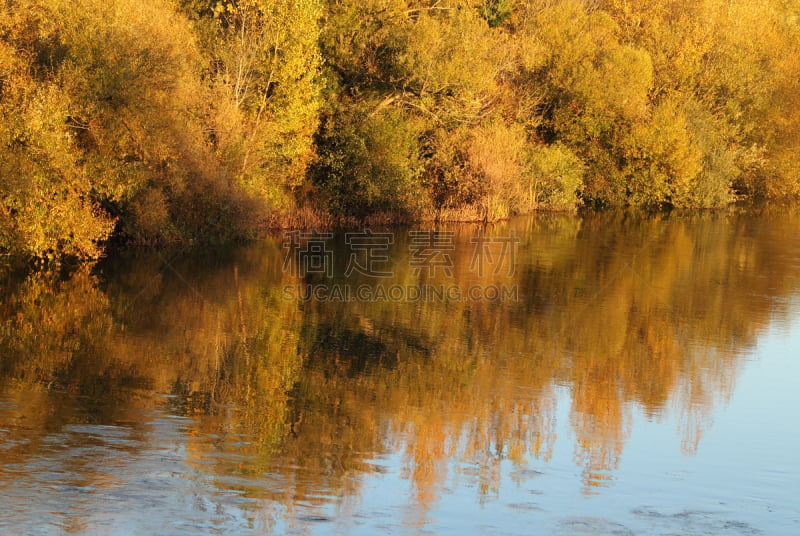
[[163, 121]]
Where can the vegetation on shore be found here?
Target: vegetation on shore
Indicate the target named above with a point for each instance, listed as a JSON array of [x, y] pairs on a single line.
[[164, 121]]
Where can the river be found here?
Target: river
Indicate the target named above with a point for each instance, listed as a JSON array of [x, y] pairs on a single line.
[[611, 373]]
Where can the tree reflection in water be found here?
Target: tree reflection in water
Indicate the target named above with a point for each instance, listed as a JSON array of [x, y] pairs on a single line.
[[630, 314]]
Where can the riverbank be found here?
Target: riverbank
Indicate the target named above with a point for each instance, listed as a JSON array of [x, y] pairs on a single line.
[[377, 115]]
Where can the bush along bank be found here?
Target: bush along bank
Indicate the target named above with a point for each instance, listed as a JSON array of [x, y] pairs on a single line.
[[203, 120]]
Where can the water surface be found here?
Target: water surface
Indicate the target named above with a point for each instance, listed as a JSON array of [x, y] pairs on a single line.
[[611, 374]]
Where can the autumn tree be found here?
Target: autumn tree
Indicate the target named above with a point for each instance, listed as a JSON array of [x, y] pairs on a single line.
[[262, 62]]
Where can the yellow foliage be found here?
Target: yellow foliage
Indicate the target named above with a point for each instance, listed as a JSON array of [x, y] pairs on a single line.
[[222, 113]]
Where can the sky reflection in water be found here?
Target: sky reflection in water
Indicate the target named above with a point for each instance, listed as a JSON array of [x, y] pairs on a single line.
[[642, 380]]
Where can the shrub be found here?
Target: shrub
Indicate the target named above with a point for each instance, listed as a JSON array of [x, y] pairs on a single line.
[[369, 161], [554, 177]]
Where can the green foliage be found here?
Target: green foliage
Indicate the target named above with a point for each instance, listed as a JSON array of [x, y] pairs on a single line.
[[369, 161], [360, 41], [496, 12]]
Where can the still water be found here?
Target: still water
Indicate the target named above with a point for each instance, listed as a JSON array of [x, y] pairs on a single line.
[[610, 374]]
